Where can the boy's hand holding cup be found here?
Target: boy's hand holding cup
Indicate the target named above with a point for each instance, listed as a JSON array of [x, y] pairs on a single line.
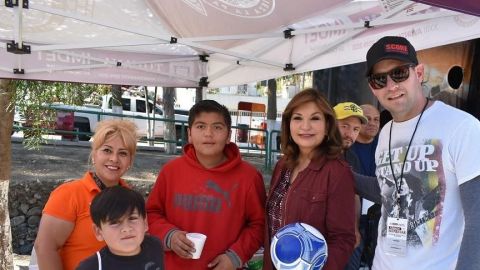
[[180, 244], [198, 240]]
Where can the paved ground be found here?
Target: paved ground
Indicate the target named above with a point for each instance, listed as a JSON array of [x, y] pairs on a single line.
[[70, 161]]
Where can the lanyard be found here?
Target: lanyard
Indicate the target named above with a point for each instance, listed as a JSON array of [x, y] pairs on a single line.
[[399, 182], [99, 182]]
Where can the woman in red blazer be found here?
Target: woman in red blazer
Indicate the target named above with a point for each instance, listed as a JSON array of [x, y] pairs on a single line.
[[312, 183]]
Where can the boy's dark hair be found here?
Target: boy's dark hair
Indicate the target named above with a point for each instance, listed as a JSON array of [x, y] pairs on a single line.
[[112, 203], [209, 106]]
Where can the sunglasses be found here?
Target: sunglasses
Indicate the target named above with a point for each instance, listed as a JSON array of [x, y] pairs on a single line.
[[398, 74]]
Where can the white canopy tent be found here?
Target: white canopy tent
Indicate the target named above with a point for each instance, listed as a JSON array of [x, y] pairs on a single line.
[[189, 43]]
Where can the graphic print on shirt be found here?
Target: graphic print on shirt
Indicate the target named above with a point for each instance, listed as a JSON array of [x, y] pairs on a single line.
[[225, 193], [210, 200], [152, 266], [421, 190]]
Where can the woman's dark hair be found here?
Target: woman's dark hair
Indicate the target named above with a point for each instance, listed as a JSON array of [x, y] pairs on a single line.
[[331, 146], [113, 203], [209, 106]]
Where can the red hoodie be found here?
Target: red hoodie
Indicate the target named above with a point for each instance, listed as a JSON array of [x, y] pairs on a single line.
[[226, 203]]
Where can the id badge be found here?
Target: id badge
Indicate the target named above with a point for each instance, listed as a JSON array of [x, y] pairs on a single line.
[[396, 243]]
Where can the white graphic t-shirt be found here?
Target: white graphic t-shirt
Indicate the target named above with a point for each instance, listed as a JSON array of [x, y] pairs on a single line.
[[443, 155]]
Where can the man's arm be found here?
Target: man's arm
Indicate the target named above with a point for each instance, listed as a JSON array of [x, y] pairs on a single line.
[[469, 257], [367, 187]]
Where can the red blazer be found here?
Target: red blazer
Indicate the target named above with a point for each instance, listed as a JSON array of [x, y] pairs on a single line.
[[323, 197]]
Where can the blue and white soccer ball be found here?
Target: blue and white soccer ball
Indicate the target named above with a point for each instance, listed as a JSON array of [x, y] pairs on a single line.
[[298, 246]]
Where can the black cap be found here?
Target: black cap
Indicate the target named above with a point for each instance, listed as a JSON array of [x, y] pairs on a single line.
[[391, 47]]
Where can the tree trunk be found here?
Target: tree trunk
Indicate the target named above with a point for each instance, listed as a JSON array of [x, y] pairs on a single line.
[[317, 79], [169, 132], [6, 125], [198, 94], [272, 100], [272, 112], [117, 99], [150, 125], [154, 111]]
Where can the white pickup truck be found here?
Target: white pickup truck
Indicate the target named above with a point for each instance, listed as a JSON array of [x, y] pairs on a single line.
[[86, 117]]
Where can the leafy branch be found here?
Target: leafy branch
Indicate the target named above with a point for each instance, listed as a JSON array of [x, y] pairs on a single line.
[[31, 97]]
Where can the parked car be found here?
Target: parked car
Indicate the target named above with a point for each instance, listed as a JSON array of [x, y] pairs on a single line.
[[86, 117]]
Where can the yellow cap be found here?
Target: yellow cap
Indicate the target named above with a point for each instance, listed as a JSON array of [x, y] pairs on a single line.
[[346, 109]]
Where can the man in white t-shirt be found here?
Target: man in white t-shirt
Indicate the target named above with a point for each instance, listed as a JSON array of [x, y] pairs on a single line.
[[428, 175]]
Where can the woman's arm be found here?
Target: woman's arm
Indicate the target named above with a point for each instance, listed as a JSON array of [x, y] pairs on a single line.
[[52, 234], [340, 218]]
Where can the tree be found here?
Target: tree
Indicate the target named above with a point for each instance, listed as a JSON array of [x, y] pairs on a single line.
[[168, 106], [117, 99], [272, 100], [272, 111], [29, 97], [198, 94], [6, 125]]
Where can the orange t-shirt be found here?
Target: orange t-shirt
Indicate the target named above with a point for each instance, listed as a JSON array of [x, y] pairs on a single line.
[[71, 202]]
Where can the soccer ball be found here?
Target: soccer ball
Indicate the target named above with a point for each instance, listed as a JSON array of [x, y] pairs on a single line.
[[298, 246]]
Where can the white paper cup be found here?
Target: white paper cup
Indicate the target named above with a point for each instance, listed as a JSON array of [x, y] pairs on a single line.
[[198, 240]]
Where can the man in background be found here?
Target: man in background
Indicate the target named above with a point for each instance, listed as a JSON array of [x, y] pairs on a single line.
[[364, 147], [366, 142], [350, 120]]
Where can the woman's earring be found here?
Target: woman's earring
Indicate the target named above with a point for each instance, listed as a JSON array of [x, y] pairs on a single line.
[[93, 161]]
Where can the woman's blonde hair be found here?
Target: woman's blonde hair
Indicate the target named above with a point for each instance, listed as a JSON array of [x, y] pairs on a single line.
[[107, 129], [331, 145]]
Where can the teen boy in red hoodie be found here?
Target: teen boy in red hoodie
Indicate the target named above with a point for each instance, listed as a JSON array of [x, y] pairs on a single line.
[[209, 190]]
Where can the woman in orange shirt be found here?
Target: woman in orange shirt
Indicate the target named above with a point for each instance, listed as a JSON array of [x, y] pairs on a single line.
[[65, 236]]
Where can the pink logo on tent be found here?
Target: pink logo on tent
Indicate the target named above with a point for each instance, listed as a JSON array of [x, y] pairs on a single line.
[[239, 8], [465, 20]]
